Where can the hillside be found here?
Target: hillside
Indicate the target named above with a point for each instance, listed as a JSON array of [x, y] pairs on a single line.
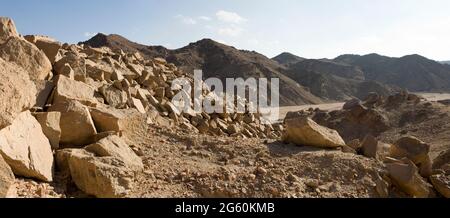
[[300, 78], [216, 60], [412, 72]]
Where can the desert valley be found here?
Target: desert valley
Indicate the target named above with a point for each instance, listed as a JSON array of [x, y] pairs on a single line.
[[96, 119]]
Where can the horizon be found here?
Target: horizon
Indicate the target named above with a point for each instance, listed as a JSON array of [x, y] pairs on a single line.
[[270, 57], [346, 27]]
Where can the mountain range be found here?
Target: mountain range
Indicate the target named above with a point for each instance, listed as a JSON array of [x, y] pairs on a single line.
[[302, 80]]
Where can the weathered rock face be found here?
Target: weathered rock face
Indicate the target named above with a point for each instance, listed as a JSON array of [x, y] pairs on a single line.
[[114, 146], [6, 180], [7, 29], [304, 131], [406, 177], [17, 92], [50, 126], [103, 177], [26, 149], [49, 46], [27, 56], [77, 127], [67, 89]]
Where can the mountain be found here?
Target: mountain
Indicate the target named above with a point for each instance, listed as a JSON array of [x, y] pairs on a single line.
[[217, 60], [445, 62], [287, 59], [334, 81], [412, 72]]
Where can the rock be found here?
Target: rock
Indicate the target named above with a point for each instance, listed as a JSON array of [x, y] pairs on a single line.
[[77, 127], [17, 92], [103, 177], [67, 71], [114, 146], [415, 150], [351, 104], [372, 148], [304, 131], [406, 177], [442, 159], [77, 64], [355, 144], [111, 119], [50, 126], [441, 183], [27, 56], [26, 149], [412, 148], [114, 96], [7, 29], [49, 46], [136, 103], [44, 91], [67, 89], [7, 179]]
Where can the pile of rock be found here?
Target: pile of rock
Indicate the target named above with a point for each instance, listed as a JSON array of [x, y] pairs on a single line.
[[81, 103], [407, 162]]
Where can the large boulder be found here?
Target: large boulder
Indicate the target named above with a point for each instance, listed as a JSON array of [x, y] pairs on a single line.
[[114, 146], [77, 126], [405, 175], [304, 131], [7, 178], [17, 92], [48, 45], [28, 56], [50, 126], [103, 177], [108, 119], [26, 149], [7, 29], [414, 149], [68, 89]]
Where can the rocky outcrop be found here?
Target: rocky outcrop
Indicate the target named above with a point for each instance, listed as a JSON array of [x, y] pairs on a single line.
[[304, 131], [26, 149]]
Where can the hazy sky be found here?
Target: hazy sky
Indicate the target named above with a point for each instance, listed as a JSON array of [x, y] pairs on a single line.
[[308, 28]]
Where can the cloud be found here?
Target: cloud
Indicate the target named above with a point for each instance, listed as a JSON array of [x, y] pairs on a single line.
[[204, 18], [230, 31], [229, 17], [186, 20], [89, 34]]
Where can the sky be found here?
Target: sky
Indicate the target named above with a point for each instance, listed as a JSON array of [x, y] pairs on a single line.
[[307, 28]]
